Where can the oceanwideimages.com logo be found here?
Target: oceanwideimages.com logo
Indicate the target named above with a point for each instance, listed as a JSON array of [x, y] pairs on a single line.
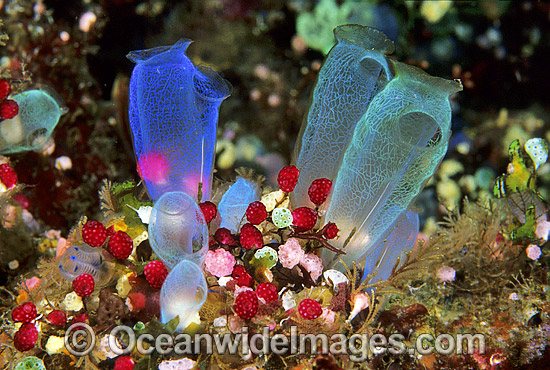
[[80, 340]]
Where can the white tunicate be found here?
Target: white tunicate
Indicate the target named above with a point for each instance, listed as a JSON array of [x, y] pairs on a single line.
[[335, 277], [183, 293], [177, 229], [537, 149], [30, 129]]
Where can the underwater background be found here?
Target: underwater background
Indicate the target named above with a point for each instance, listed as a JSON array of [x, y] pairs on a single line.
[[89, 147]]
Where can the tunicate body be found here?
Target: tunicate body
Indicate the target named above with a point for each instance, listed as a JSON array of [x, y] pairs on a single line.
[[178, 230], [83, 259], [385, 255], [173, 116], [235, 201], [376, 127], [39, 113], [183, 293]]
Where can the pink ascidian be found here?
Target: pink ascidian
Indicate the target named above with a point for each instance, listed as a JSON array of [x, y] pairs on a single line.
[[291, 253], [153, 167]]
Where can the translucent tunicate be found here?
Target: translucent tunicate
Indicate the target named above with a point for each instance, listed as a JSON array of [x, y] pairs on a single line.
[[384, 256], [378, 128], [235, 201], [39, 112], [173, 116], [83, 259], [177, 229], [354, 71], [183, 293]]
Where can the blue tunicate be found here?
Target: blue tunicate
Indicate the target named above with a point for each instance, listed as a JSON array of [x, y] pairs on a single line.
[[82, 259], [355, 69], [173, 116], [385, 254], [235, 201], [376, 127], [183, 293], [39, 112], [177, 229]]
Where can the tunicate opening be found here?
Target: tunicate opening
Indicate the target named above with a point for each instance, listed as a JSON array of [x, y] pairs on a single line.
[[160, 54], [198, 241], [200, 295], [173, 205], [210, 85], [375, 64], [366, 37], [38, 137], [419, 129]]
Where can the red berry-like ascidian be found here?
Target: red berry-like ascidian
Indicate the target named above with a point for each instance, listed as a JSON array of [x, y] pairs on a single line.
[[121, 245], [304, 217], [288, 178], [80, 318], [57, 318], [256, 213], [9, 109], [5, 88], [310, 309], [8, 177], [24, 313], [318, 190], [124, 363], [251, 237], [26, 337], [94, 233], [246, 304], [155, 273], [330, 230], [23, 200], [223, 236], [241, 276], [209, 211], [267, 291], [84, 285]]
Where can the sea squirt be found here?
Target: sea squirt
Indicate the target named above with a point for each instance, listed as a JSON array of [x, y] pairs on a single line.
[[379, 146], [178, 230], [173, 116], [353, 72], [183, 293], [39, 113], [235, 201]]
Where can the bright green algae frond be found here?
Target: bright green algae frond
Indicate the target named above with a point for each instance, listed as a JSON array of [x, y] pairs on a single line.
[[378, 128]]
